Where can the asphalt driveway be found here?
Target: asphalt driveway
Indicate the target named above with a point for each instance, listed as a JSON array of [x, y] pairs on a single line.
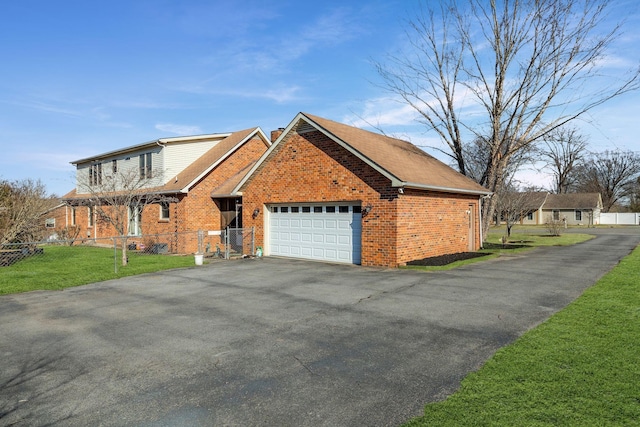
[[275, 341]]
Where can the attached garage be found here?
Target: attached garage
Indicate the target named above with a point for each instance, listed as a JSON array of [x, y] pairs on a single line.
[[323, 232], [331, 192]]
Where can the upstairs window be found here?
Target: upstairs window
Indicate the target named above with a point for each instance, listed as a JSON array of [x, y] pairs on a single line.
[[95, 174], [146, 166], [114, 166]]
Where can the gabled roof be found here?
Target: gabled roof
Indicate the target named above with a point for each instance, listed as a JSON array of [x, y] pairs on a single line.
[[225, 189], [193, 173], [534, 200], [402, 162], [573, 201], [212, 158], [160, 141]]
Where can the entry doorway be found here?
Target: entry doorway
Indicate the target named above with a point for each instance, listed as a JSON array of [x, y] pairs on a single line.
[[230, 212]]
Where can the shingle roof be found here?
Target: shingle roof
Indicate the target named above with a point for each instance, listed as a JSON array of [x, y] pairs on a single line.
[[402, 162], [208, 160], [534, 200], [573, 201], [401, 159], [226, 188]]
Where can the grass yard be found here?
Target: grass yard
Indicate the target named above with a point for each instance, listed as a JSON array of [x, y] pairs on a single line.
[[581, 367], [517, 242], [65, 266]]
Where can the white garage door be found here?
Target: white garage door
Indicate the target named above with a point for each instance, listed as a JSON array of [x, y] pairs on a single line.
[[327, 232]]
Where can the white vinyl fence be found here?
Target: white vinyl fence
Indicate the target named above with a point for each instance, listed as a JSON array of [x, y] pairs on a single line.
[[613, 218]]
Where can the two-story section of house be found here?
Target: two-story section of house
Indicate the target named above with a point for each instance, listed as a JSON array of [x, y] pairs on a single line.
[[174, 178]]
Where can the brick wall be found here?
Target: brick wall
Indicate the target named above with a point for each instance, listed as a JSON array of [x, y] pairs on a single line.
[[400, 227], [190, 212], [432, 224]]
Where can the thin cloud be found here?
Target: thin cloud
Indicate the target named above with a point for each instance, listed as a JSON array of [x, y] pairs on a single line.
[[179, 129]]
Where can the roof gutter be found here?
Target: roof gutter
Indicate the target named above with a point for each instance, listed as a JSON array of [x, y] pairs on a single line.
[[416, 186]]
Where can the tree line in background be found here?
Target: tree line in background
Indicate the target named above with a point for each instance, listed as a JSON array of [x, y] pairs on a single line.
[[612, 173], [515, 75]]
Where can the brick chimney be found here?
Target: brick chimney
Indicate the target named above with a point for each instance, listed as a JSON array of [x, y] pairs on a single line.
[[276, 133]]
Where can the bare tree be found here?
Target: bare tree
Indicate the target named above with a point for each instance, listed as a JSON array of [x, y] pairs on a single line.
[[476, 158], [633, 194], [610, 173], [22, 204], [511, 70], [564, 149], [514, 203], [120, 198]]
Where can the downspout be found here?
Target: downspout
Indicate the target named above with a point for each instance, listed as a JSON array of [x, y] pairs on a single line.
[[480, 220]]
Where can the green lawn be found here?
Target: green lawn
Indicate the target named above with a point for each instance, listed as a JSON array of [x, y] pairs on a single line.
[[65, 266], [580, 368], [516, 243]]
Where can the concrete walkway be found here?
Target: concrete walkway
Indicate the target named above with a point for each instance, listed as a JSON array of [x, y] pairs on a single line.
[[276, 341]]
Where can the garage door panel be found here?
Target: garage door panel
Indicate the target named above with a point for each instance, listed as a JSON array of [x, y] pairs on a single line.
[[344, 240], [316, 232], [330, 224]]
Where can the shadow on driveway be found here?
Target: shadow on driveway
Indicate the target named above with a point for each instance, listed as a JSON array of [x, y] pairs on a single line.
[[277, 341]]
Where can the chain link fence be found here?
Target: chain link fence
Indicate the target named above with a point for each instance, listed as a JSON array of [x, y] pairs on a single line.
[[222, 244]]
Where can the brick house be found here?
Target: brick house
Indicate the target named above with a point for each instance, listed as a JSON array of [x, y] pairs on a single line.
[[183, 170], [328, 191]]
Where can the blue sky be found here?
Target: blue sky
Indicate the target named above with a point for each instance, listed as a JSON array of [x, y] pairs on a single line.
[[85, 77]]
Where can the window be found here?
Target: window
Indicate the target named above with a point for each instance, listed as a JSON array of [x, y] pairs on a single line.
[[164, 210], [530, 216], [274, 209], [317, 209], [145, 166], [92, 215], [578, 215], [73, 216], [331, 209], [95, 174], [295, 209], [284, 209], [556, 215], [50, 223], [357, 209], [114, 166], [306, 209], [343, 209]]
